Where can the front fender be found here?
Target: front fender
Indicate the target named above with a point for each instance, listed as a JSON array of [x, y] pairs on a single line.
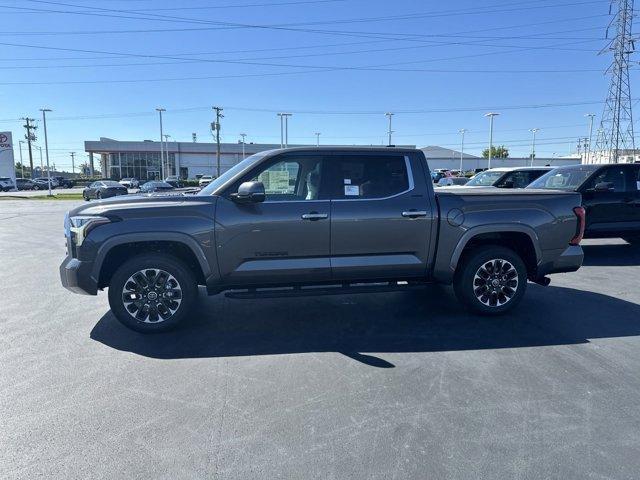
[[149, 236]]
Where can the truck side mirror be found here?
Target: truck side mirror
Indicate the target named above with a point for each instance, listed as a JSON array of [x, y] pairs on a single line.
[[249, 192], [603, 187]]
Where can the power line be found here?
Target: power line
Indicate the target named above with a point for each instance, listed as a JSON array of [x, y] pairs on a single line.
[[290, 26], [137, 15], [331, 112]]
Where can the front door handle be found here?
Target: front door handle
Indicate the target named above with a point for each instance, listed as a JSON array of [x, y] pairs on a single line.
[[314, 216], [414, 213]]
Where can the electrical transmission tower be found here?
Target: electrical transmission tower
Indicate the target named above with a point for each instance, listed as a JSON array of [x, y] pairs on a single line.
[[616, 126]]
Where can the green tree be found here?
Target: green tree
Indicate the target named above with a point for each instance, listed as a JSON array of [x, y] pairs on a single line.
[[496, 152]]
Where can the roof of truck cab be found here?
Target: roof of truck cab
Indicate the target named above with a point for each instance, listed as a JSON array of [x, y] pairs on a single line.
[[343, 148]]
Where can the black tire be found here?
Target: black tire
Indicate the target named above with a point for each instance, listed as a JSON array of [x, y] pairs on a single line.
[[481, 295], [176, 269], [98, 195], [632, 239], [86, 199]]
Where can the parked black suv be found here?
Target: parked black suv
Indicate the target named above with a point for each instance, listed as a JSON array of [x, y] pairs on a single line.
[[610, 196]]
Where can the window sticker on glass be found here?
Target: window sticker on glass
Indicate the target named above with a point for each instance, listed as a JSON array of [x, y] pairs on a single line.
[[347, 181], [351, 191], [275, 181]]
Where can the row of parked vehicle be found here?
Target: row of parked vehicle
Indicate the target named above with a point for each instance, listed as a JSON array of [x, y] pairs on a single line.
[[110, 188], [7, 184], [506, 177]]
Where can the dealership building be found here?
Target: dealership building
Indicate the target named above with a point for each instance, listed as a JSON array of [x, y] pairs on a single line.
[[141, 159]]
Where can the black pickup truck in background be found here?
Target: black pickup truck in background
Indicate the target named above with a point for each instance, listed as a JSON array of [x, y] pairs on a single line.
[[610, 197]]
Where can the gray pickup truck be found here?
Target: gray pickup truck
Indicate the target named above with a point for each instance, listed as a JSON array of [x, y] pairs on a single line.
[[311, 221]]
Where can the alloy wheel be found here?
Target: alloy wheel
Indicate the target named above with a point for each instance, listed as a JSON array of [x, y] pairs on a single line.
[[495, 282], [151, 295]]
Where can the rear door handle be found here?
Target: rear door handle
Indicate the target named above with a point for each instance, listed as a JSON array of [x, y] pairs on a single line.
[[314, 216], [414, 213]]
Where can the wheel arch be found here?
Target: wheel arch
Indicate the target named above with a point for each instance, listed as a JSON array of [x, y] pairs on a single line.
[[114, 252], [520, 238]]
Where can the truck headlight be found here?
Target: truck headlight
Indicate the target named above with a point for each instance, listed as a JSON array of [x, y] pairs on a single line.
[[79, 226]]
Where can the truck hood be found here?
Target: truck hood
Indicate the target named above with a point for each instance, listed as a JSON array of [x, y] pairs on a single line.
[[114, 205]]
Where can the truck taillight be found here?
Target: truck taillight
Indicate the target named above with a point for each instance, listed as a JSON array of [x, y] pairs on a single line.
[[581, 214]]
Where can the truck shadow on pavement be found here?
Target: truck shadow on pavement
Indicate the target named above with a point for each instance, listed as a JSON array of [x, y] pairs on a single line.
[[361, 326]]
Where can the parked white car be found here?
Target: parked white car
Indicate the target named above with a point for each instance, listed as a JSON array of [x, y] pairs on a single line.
[[129, 182], [452, 181], [205, 180]]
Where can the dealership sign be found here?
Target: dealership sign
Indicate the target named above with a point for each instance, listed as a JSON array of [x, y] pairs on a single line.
[[7, 168]]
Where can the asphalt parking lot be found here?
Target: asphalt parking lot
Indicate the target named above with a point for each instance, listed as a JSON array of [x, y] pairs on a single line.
[[400, 385]]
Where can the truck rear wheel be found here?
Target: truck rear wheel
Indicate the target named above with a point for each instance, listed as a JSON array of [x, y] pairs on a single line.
[[491, 280], [152, 293]]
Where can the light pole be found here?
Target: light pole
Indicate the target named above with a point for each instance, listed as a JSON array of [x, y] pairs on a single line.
[[41, 164], [284, 129], [588, 155], [490, 115], [20, 142], [317, 134], [160, 110], [461, 132], [243, 135], [166, 151], [533, 144], [281, 129], [389, 115], [46, 146]]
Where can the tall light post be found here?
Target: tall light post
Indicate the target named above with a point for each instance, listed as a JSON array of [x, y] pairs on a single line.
[[41, 164], [533, 144], [490, 115], [588, 155], [243, 135], [286, 129], [281, 129], [160, 110], [317, 134], [389, 115], [166, 151], [462, 131], [20, 142], [46, 146]]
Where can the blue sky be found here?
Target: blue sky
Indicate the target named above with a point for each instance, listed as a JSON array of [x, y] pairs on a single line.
[[103, 67]]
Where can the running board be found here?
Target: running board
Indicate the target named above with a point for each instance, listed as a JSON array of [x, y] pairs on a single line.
[[309, 291]]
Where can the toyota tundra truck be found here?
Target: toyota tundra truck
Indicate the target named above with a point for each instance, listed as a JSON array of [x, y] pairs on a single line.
[[316, 221]]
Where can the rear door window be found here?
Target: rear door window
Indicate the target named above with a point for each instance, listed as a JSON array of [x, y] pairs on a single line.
[[352, 177]]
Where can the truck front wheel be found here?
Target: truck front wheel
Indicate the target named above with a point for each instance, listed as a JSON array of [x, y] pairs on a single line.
[[152, 293], [491, 280]]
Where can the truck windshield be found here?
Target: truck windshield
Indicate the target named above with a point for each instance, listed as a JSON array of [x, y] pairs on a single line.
[[484, 179], [563, 178], [232, 172]]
